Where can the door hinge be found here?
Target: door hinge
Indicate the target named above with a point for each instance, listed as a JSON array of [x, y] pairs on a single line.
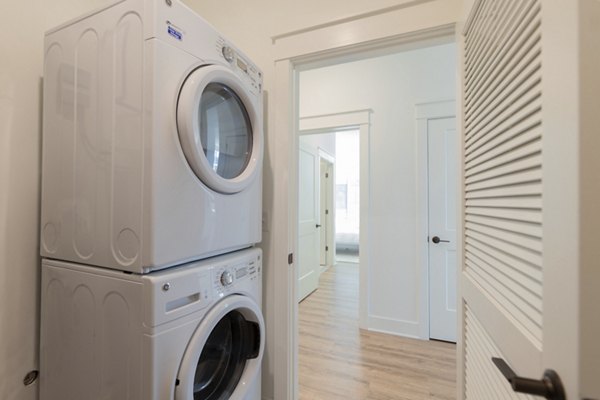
[[290, 258], [326, 248], [326, 212], [326, 174]]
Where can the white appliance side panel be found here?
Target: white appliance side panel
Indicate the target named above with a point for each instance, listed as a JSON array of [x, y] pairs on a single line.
[[93, 139], [128, 141], [90, 336]]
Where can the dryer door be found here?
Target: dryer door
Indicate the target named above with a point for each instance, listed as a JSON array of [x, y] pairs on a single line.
[[223, 357], [220, 129]]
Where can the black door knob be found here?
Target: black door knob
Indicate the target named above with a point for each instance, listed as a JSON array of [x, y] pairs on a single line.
[[318, 226]]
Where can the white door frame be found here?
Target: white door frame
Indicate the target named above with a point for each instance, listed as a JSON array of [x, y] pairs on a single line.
[[408, 24], [424, 113], [343, 121]]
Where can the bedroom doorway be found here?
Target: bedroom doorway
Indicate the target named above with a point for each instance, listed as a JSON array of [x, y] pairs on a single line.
[[347, 197], [322, 137]]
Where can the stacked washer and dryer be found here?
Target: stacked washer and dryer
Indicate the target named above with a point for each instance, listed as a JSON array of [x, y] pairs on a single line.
[[151, 207]]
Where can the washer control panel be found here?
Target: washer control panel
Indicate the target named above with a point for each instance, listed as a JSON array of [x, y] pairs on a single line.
[[226, 277]]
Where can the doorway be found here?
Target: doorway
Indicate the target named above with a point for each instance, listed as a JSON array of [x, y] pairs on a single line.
[[437, 149], [327, 210], [317, 143], [328, 204], [391, 85], [292, 59]]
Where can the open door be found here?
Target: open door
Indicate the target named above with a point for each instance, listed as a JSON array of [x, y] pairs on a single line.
[[522, 212], [326, 184], [309, 235]]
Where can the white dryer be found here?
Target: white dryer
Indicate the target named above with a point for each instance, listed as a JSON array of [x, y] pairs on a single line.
[[152, 139], [186, 333]]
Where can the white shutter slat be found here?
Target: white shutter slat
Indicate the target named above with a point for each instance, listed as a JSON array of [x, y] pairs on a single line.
[[517, 239], [533, 216], [488, 30], [500, 60], [528, 163], [534, 202], [522, 114], [494, 56], [510, 155], [522, 268], [516, 178], [525, 287], [526, 189], [522, 227], [529, 256], [508, 140], [511, 89]]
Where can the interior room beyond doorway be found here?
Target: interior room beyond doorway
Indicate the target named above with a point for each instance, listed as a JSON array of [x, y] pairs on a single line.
[[390, 280]]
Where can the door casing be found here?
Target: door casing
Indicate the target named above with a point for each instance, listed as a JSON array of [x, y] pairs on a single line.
[[425, 112], [410, 25]]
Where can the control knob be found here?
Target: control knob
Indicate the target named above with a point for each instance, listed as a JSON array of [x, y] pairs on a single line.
[[226, 278], [228, 53]]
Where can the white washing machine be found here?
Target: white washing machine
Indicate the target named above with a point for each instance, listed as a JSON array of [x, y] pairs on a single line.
[[152, 139], [186, 333]]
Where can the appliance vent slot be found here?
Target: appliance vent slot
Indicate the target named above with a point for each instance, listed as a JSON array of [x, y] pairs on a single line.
[[503, 161]]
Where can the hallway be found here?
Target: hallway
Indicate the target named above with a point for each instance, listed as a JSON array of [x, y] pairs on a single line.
[[338, 361]]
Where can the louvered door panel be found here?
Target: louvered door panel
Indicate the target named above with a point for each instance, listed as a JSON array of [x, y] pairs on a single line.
[[503, 160], [483, 381], [502, 266]]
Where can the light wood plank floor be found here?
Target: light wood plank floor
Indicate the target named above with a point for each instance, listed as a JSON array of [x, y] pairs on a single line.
[[339, 361]]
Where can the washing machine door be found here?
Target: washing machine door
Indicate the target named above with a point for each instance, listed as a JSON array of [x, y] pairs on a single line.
[[223, 357], [220, 128]]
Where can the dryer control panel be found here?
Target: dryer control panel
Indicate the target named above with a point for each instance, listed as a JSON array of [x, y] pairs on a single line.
[[246, 70]]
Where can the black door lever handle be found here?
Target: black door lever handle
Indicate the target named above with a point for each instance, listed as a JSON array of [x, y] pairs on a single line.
[[550, 386], [437, 240]]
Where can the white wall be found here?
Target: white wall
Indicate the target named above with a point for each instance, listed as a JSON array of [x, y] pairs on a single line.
[[22, 32], [323, 141], [391, 86]]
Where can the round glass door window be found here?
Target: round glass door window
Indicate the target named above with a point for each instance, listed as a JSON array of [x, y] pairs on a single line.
[[232, 342], [225, 130]]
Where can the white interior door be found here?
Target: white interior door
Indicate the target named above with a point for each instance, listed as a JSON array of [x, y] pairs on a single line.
[[521, 265], [326, 210], [308, 221], [442, 162]]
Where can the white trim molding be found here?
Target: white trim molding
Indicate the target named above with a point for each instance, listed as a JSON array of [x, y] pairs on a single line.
[[334, 122]]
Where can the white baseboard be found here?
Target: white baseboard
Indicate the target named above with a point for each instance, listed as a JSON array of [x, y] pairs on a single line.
[[324, 268], [396, 327]]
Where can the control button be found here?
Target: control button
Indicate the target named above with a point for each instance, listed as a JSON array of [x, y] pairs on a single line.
[[228, 53], [226, 278]]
